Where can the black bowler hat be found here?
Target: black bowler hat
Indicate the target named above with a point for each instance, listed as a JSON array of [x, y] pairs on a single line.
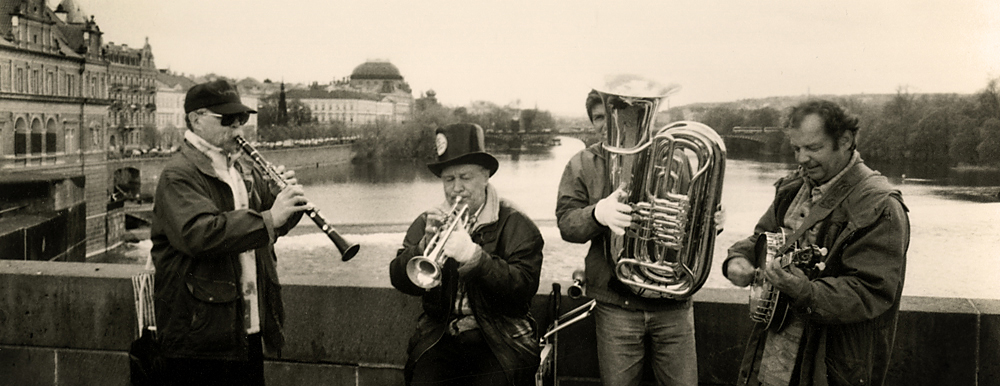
[[462, 143], [218, 96]]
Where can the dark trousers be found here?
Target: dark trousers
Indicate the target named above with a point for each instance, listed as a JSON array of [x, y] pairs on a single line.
[[462, 360], [207, 372]]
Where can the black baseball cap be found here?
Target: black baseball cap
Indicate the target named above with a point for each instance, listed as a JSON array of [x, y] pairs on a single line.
[[218, 96]]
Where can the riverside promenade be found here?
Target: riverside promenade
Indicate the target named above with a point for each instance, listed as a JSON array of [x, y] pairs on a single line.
[[71, 324]]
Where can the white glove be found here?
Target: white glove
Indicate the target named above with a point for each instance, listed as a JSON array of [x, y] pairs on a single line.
[[460, 246], [720, 219], [612, 213]]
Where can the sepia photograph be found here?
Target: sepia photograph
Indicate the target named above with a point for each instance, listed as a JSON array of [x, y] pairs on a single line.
[[304, 192]]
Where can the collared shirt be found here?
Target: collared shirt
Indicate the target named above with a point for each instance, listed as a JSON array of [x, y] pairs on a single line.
[[225, 169], [810, 194]]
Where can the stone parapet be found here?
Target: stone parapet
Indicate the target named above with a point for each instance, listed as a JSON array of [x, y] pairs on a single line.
[[61, 322]]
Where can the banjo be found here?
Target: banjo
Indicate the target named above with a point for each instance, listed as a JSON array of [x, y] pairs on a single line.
[[767, 304]]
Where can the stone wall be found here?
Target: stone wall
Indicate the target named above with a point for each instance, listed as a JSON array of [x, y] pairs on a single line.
[[71, 324]]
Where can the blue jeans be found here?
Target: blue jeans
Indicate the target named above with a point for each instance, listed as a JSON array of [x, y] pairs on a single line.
[[622, 340]]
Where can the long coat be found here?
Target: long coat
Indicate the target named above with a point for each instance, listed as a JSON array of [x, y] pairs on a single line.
[[197, 237], [500, 288], [850, 311]]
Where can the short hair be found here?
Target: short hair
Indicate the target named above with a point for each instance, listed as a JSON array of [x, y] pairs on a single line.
[[187, 119], [593, 99], [836, 121]]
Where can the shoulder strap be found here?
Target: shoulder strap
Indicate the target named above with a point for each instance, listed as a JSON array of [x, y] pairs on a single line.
[[823, 209]]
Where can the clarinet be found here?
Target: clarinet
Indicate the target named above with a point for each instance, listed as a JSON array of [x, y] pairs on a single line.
[[347, 250]]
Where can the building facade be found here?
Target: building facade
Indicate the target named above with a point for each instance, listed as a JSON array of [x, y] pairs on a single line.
[[375, 92], [170, 92], [55, 181], [132, 76]]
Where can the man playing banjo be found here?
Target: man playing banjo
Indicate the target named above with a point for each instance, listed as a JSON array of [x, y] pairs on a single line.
[[842, 323]]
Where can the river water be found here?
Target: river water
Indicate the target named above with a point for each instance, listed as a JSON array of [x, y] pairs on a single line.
[[953, 247]]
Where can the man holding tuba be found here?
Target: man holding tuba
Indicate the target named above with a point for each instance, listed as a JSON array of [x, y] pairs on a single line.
[[842, 323], [475, 261], [592, 208]]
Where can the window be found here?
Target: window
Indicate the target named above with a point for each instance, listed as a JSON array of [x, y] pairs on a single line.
[[50, 142], [19, 80]]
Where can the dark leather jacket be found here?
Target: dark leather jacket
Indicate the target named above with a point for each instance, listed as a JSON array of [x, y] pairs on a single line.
[[197, 237], [850, 311], [500, 288]]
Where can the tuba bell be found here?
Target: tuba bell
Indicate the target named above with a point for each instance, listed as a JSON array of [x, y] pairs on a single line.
[[672, 178]]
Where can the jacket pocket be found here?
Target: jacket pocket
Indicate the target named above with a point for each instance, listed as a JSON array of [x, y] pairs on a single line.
[[211, 291], [848, 354], [214, 323]]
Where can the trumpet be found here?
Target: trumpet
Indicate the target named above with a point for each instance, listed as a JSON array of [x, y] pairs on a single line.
[[347, 250], [425, 270]]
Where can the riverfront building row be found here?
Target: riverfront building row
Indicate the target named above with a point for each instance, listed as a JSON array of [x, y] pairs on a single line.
[[375, 92], [70, 106], [74, 108]]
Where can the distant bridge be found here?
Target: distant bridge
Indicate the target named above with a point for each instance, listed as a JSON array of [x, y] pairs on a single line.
[[537, 138], [587, 136], [753, 134]]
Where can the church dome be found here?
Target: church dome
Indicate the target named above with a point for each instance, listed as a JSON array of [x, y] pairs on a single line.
[[376, 70]]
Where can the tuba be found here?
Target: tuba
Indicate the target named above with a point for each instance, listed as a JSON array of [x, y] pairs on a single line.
[[672, 178]]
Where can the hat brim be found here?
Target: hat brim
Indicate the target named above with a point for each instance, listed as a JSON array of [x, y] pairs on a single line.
[[231, 108], [479, 158]]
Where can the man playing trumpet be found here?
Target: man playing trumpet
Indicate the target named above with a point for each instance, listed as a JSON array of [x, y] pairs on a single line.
[[476, 273]]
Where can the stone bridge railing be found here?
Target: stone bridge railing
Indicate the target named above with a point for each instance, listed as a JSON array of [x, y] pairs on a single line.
[[71, 324]]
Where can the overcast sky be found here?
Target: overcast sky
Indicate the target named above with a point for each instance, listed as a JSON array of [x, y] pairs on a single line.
[[550, 53]]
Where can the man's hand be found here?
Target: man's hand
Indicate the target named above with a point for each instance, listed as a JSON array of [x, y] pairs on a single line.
[[720, 219], [460, 246], [611, 212], [792, 283], [290, 200], [432, 222], [287, 175], [740, 272]]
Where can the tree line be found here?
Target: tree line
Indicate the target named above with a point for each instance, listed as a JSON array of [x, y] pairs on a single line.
[[946, 129], [413, 139]]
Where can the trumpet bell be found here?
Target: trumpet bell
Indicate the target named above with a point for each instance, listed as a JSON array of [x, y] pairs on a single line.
[[423, 272]]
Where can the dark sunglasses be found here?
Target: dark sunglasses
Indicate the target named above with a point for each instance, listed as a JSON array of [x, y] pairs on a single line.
[[228, 119]]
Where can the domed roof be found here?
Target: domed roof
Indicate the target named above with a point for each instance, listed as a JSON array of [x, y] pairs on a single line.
[[376, 70]]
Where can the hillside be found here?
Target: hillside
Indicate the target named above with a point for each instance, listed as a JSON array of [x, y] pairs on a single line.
[[784, 102]]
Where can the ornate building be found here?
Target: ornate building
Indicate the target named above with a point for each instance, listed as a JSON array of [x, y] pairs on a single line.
[[375, 92], [170, 92], [55, 179], [132, 85]]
